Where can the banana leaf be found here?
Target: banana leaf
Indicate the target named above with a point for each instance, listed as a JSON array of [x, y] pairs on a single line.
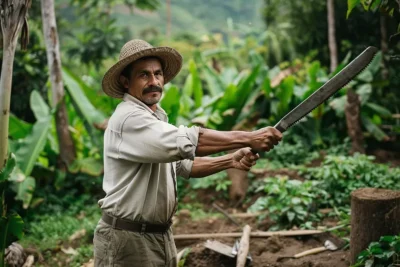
[[102, 102], [75, 87], [18, 128], [171, 103], [91, 166], [25, 191], [230, 105], [11, 226], [34, 143], [215, 85], [284, 94], [373, 128], [196, 84], [7, 169]]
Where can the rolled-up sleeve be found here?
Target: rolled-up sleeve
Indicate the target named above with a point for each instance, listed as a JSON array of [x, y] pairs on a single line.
[[146, 139], [184, 168]]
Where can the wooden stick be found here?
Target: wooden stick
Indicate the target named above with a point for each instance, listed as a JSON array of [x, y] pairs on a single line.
[[244, 247], [226, 214], [253, 234], [247, 215]]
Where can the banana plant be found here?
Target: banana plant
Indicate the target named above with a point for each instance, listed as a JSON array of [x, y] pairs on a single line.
[[28, 149], [222, 110], [86, 119]]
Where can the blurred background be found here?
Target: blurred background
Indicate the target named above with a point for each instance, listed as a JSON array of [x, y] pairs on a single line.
[[246, 64]]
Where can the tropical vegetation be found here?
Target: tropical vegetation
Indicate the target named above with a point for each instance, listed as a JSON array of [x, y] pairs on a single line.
[[246, 64]]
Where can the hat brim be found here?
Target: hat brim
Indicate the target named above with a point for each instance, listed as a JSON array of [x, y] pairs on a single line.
[[170, 59]]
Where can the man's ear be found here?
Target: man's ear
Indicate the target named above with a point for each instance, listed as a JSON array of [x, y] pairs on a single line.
[[124, 81]]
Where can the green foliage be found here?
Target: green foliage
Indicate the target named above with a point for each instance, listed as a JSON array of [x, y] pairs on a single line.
[[18, 128], [343, 174], [292, 154], [390, 7], [97, 42], [11, 224], [84, 254], [77, 88], [46, 231], [386, 252], [351, 5], [181, 262], [28, 151], [289, 202], [171, 103], [96, 34], [217, 181]]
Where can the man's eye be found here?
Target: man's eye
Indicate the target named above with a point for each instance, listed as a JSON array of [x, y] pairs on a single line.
[[159, 74], [144, 75]]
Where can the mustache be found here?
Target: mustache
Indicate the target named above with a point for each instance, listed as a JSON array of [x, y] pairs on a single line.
[[153, 88]]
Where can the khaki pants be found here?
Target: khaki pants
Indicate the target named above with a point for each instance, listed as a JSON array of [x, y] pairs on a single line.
[[120, 248]]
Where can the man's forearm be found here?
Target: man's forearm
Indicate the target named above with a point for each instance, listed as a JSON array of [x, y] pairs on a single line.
[[204, 166], [211, 141]]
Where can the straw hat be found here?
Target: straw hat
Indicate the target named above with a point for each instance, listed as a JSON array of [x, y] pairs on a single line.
[[133, 50]]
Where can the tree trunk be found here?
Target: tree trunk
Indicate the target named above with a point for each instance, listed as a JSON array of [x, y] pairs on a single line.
[[12, 20], [238, 188], [374, 213], [352, 112], [66, 145], [384, 46], [331, 35]]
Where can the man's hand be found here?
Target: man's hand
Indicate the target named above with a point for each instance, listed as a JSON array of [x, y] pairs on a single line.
[[244, 159], [265, 139]]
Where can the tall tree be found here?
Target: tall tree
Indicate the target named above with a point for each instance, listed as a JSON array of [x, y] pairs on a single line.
[[332, 35], [67, 148], [13, 20]]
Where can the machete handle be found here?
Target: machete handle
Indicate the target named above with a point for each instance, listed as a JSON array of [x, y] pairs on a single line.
[[279, 128]]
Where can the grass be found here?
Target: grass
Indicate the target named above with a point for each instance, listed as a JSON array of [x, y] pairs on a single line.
[[47, 231]]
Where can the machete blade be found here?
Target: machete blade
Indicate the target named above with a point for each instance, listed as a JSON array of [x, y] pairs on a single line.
[[328, 89]]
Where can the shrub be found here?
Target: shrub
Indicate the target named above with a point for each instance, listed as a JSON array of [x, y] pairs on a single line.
[[289, 202]]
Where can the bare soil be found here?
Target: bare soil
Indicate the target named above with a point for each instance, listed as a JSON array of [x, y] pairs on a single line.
[[264, 251]]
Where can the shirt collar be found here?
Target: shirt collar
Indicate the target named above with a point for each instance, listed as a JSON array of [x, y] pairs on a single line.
[[158, 113]]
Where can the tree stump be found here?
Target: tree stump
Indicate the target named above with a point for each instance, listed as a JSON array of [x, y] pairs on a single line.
[[374, 213]]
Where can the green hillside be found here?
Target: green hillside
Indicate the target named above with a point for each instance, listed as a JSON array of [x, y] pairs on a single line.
[[191, 16]]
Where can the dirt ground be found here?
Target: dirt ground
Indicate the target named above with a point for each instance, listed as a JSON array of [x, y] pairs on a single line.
[[265, 252]]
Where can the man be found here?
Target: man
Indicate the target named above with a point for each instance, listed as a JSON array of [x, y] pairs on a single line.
[[143, 154]]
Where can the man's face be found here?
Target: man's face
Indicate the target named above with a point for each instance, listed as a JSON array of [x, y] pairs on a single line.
[[146, 81]]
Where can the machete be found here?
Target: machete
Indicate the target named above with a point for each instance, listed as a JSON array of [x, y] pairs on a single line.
[[328, 89], [333, 85]]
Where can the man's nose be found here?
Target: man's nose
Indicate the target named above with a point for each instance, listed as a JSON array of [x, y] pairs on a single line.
[[153, 80]]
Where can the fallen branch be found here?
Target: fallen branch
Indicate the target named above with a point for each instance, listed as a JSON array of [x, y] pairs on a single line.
[[247, 214], [252, 234], [244, 247]]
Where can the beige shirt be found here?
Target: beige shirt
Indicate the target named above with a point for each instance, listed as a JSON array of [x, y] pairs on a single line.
[[142, 154]]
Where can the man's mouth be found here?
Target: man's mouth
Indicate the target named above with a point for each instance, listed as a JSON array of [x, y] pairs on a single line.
[[152, 89]]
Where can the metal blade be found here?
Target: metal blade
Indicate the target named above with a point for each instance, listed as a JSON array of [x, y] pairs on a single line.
[[328, 89]]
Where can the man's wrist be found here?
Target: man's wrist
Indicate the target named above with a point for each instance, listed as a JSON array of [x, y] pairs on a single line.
[[243, 138]]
